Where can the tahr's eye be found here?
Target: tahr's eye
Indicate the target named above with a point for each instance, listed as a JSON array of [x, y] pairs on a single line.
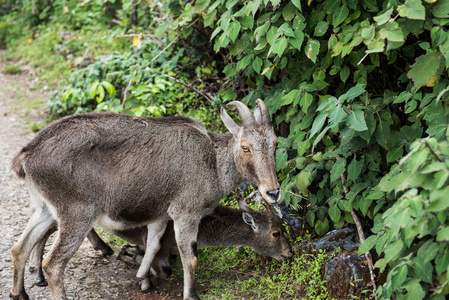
[[276, 234], [246, 149]]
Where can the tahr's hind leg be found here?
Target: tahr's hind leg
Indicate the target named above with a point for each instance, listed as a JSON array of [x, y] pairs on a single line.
[[38, 225], [71, 234], [35, 263], [99, 244]]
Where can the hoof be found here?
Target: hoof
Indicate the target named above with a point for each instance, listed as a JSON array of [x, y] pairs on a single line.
[[167, 271], [42, 283], [22, 296], [146, 286]]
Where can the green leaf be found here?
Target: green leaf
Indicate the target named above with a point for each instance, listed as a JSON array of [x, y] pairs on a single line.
[[297, 3], [297, 41], [306, 101], [395, 154], [412, 9], [257, 64], [443, 234], [354, 92], [414, 289], [318, 123], [344, 74], [289, 11], [234, 30], [356, 121], [364, 205], [338, 168], [280, 45], [368, 244], [393, 250], [290, 97], [354, 169], [109, 87], [425, 68], [399, 277], [312, 49], [321, 28], [383, 18], [440, 9], [339, 15], [382, 133], [303, 180], [281, 158], [322, 227], [334, 213]]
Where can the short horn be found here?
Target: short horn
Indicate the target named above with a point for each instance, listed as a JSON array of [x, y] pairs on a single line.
[[261, 113], [245, 114]]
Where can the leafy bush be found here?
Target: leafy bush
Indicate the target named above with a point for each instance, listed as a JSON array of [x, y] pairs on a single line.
[[351, 86]]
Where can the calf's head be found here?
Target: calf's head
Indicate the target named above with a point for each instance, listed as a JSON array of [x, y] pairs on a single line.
[[268, 235], [255, 147]]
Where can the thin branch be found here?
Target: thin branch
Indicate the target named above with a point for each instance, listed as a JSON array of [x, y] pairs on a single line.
[[207, 97], [359, 227]]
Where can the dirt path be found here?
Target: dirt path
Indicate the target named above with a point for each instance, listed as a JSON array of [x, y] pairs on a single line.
[[88, 275]]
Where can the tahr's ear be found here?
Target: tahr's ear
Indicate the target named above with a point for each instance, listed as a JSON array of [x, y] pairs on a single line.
[[250, 221], [229, 122], [244, 207]]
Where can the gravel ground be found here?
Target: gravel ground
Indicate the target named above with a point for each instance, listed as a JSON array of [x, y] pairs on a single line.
[[88, 275]]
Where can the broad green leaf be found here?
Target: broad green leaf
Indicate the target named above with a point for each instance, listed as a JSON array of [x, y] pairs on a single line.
[[442, 261], [423, 271], [321, 28], [312, 49], [368, 244], [393, 250], [334, 213], [297, 41], [297, 3], [303, 147], [417, 159], [93, 89], [383, 18], [234, 30], [344, 74], [412, 9], [275, 2], [395, 154], [322, 227], [336, 115], [281, 158], [392, 32], [310, 217], [257, 64], [414, 289], [306, 101], [443, 234], [109, 87], [425, 67], [289, 11], [339, 15], [364, 205], [441, 9], [338, 168], [356, 120], [399, 277], [280, 45], [382, 133], [354, 92], [375, 46], [438, 200], [290, 97], [303, 180], [318, 123], [354, 169]]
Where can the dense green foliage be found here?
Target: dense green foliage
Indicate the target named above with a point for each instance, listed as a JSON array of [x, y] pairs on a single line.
[[357, 90]]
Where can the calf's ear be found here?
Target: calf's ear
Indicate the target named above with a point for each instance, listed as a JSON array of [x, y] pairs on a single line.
[[248, 218]]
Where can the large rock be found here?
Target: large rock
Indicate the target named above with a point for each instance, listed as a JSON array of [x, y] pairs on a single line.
[[346, 274]]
